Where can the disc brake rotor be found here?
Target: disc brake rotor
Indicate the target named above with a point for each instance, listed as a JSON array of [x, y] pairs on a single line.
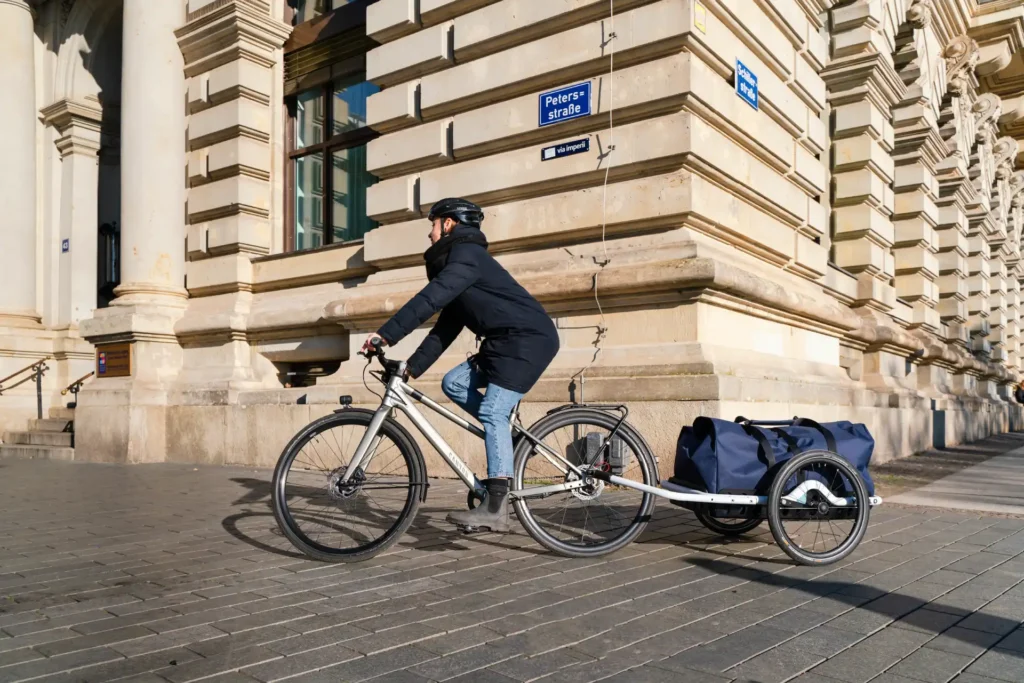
[[342, 491]]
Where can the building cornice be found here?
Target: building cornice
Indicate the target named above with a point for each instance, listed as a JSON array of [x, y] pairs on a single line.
[[227, 30]]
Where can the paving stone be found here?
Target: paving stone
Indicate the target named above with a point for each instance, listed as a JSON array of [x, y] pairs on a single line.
[[370, 667], [135, 666], [531, 668], [931, 666], [13, 657], [462, 639], [38, 668], [963, 641], [1004, 665], [120, 635], [268, 635], [312, 660], [776, 665], [652, 673], [825, 641], [727, 652], [294, 644], [872, 656], [156, 643], [927, 621]]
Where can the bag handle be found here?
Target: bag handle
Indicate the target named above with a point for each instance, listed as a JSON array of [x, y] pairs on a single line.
[[762, 443], [830, 440]]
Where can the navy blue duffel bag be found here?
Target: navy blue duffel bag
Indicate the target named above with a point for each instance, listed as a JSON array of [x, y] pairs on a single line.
[[742, 457]]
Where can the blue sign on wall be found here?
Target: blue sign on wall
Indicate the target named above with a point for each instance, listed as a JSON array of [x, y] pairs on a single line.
[[565, 149], [65, 246], [565, 104], [746, 84]]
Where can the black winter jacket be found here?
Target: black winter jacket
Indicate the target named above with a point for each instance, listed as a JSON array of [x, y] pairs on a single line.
[[472, 290]]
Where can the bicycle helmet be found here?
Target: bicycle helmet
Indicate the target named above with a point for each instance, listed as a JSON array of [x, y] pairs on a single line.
[[459, 210]]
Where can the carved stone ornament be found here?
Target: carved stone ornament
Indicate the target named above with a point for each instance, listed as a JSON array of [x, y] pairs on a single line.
[[1005, 151], [920, 13], [1017, 189], [987, 109], [962, 55]]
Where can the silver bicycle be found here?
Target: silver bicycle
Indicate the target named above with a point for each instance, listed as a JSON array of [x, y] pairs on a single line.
[[348, 486]]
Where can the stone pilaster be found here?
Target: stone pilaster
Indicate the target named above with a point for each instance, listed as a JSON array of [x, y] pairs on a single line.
[[78, 123], [18, 169], [863, 86], [956, 191], [123, 419], [919, 148], [982, 212], [234, 96]]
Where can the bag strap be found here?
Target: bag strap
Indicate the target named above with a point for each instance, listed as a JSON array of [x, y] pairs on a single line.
[[762, 443], [791, 443], [830, 440]]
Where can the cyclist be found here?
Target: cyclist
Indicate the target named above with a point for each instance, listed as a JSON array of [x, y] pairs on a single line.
[[472, 290]]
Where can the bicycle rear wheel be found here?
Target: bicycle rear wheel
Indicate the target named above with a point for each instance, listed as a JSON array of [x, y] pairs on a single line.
[[590, 521], [351, 522]]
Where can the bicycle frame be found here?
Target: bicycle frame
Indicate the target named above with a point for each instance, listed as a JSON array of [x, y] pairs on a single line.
[[399, 395]]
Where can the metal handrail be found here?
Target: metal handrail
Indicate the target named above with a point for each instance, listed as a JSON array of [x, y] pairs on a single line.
[[37, 369], [34, 366], [75, 386]]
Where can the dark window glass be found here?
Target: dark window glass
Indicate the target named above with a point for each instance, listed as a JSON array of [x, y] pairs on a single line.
[[338, 107]]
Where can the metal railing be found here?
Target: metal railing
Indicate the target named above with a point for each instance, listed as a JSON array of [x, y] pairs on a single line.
[[36, 372], [75, 387]]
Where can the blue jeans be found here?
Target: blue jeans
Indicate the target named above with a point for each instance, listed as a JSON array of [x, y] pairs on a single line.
[[493, 409]]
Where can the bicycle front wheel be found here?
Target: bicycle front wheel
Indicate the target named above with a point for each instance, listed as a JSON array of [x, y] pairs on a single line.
[[589, 521], [353, 521]]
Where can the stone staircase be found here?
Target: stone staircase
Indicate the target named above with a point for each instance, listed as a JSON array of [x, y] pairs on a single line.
[[51, 438]]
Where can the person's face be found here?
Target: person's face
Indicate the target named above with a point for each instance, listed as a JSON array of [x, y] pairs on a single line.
[[439, 228]]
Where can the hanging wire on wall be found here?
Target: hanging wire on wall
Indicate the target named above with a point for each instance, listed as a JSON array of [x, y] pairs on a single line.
[[604, 260]]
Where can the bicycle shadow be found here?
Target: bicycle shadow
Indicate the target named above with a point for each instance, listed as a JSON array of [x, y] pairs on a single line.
[[423, 534]]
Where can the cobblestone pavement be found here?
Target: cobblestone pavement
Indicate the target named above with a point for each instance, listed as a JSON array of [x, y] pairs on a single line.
[[172, 573]]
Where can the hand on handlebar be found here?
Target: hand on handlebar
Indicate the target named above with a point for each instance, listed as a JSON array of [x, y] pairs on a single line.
[[373, 344]]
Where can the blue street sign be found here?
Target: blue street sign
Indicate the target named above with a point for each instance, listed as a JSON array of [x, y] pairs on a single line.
[[65, 246], [746, 84], [564, 104]]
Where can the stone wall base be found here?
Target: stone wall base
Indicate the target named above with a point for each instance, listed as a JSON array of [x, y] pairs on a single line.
[[255, 430]]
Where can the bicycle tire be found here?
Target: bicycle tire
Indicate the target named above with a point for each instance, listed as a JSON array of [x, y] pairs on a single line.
[[775, 521], [559, 420], [417, 488], [718, 526]]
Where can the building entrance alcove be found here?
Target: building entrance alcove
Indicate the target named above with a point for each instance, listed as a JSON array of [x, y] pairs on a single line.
[[85, 114]]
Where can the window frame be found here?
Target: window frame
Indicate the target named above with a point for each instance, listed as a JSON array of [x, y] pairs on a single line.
[[345, 140]]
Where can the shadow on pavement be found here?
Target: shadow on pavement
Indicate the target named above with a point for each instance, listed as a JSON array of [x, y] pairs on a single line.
[[1004, 633]]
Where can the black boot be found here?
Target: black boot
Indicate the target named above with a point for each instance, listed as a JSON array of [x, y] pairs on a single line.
[[491, 514]]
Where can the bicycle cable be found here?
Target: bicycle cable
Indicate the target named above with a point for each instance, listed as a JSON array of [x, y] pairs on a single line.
[[365, 384]]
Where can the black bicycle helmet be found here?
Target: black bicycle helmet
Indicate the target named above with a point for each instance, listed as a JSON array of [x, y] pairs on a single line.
[[459, 210]]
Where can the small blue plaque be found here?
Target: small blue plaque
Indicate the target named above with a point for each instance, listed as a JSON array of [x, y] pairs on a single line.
[[746, 84], [566, 149], [65, 246], [564, 104]]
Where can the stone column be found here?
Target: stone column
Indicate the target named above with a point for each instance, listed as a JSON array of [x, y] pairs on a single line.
[[152, 154], [18, 169], [124, 418], [78, 123]]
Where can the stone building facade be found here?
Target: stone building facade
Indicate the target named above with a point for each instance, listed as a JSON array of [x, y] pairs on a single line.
[[774, 208]]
